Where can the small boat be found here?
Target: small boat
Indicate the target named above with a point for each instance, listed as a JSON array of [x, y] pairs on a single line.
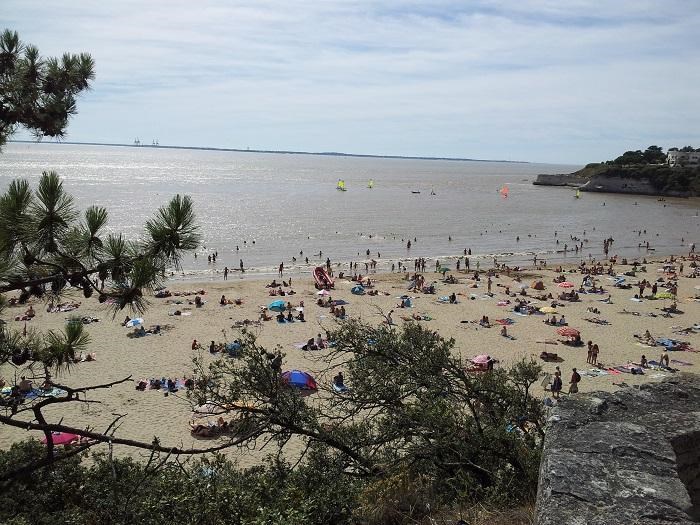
[[415, 191], [432, 191]]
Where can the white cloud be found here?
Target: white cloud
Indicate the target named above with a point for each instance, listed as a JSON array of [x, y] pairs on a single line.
[[534, 80]]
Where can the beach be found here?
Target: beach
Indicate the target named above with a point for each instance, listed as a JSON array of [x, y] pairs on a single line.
[[169, 353]]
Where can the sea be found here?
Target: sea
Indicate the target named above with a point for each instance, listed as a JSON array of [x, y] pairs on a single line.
[[270, 208]]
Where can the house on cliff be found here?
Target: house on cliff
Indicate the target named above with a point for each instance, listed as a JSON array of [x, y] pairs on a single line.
[[676, 158]]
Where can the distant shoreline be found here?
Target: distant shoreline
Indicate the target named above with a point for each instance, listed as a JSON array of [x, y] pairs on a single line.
[[276, 152]]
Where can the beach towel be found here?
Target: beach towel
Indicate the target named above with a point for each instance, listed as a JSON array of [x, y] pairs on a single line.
[[506, 321], [613, 371]]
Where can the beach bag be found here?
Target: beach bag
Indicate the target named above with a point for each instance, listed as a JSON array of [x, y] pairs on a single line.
[[577, 377]]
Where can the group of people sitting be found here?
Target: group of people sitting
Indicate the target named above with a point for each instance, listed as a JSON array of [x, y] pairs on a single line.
[[224, 301], [157, 384], [289, 317], [571, 296], [275, 284], [552, 321], [315, 344]]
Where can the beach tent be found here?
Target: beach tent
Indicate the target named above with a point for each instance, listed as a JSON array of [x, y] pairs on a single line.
[[537, 285], [358, 290], [62, 438], [300, 380], [277, 306]]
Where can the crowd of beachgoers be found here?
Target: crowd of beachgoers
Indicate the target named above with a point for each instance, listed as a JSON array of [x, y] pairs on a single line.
[[599, 325]]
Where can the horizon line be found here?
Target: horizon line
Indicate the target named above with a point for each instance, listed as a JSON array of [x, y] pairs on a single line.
[[268, 151]]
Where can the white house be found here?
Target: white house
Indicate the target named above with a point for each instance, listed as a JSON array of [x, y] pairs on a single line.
[[683, 158]]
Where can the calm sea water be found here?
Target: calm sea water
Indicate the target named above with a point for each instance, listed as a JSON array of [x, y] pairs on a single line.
[[289, 203]]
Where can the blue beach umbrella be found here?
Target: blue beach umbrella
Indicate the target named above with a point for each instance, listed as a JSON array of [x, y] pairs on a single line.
[[277, 306]]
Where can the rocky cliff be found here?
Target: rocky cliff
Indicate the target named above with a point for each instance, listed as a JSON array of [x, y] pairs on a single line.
[[630, 457], [650, 179]]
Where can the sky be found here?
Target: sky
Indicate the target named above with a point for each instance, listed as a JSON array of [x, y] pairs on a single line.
[[572, 81]]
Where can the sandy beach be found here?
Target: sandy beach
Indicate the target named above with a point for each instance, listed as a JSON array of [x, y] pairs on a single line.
[[169, 354]]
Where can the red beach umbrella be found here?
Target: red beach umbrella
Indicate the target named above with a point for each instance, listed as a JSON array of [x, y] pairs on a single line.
[[567, 331]]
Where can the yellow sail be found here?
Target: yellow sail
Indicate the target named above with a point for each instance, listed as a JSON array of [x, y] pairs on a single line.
[[341, 185], [578, 194], [370, 184]]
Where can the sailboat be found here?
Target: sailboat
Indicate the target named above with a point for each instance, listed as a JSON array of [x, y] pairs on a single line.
[[432, 191], [370, 184], [341, 185], [578, 194]]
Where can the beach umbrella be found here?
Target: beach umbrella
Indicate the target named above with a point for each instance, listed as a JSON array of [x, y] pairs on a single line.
[[357, 290], [664, 295], [61, 438], [323, 292], [566, 284], [277, 306], [567, 331], [481, 359], [300, 380], [134, 322], [548, 310]]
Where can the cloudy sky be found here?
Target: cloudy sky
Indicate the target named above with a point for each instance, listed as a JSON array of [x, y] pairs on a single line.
[[539, 80]]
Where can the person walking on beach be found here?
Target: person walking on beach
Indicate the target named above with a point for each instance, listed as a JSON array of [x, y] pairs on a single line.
[[594, 354], [575, 379], [241, 265], [225, 273], [281, 269]]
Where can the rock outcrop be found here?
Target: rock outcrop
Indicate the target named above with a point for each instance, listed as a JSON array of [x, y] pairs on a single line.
[[559, 179], [629, 457]]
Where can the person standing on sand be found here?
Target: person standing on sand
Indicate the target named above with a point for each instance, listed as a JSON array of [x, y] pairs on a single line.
[[281, 269], [594, 355], [573, 384], [556, 385], [241, 265]]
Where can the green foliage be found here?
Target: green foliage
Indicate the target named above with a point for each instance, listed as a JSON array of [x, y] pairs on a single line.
[[417, 434], [208, 490], [39, 93], [652, 155], [46, 247]]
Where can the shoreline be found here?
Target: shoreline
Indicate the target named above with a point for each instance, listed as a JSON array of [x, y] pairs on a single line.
[[524, 259]]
